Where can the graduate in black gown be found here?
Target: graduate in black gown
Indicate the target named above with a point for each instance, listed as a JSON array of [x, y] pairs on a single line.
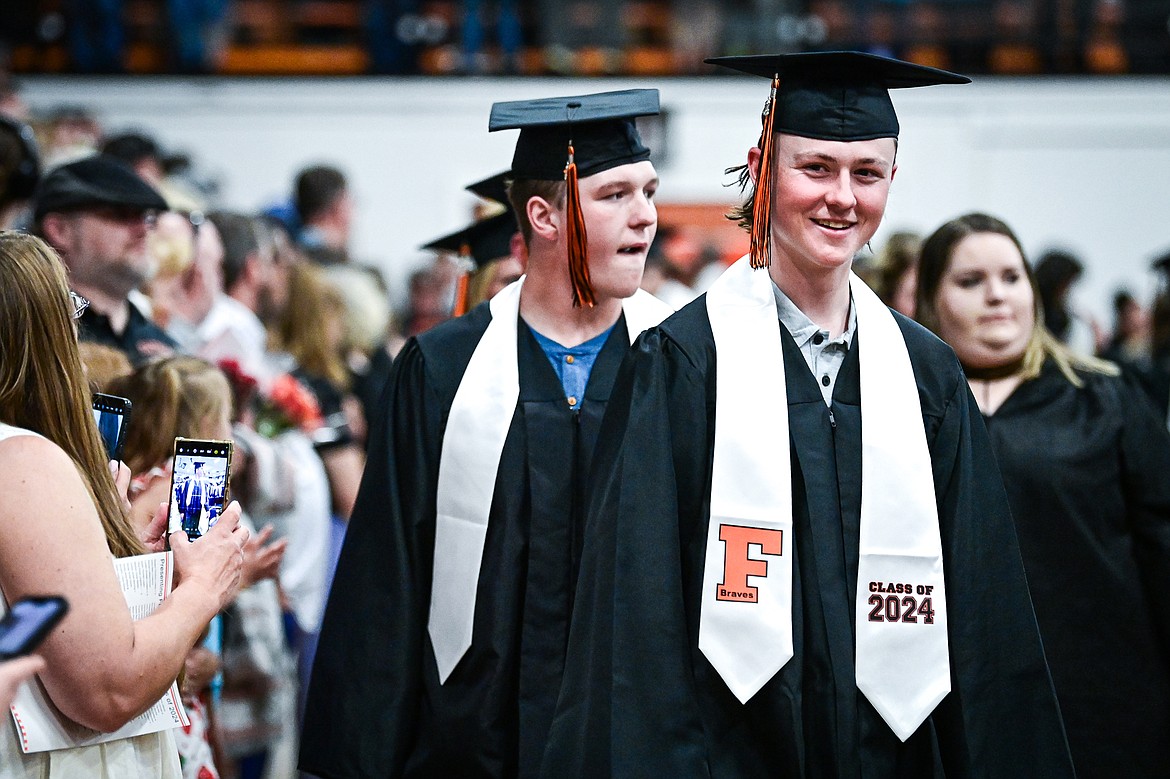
[[717, 633], [1085, 461], [442, 645]]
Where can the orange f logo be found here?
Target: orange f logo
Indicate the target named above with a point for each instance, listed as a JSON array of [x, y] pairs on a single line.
[[737, 566]]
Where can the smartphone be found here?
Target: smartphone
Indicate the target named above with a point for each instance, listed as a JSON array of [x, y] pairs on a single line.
[[27, 623], [199, 485], [111, 414]]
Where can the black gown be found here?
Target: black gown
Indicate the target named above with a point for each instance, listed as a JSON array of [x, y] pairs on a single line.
[[375, 706], [1087, 473], [639, 698]]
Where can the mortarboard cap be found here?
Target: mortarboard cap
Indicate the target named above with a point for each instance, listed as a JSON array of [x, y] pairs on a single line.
[[827, 95], [494, 188], [600, 127], [482, 242], [566, 138], [837, 95], [97, 180]]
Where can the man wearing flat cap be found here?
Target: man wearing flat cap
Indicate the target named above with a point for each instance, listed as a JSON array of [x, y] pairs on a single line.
[[799, 559], [97, 213], [442, 646]]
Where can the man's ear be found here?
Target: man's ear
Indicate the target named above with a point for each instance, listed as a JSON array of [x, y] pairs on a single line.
[[58, 231], [893, 171], [544, 218], [753, 162]]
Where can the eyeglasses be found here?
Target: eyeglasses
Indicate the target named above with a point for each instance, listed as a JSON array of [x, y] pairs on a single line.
[[125, 215], [79, 304]]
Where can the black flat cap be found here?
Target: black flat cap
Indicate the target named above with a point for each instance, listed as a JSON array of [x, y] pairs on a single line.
[[95, 181], [837, 95], [483, 242], [600, 126]]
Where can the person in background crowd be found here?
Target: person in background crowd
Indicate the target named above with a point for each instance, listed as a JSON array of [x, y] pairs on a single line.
[[20, 171], [188, 397], [103, 364], [1057, 272], [1129, 344], [442, 646], [103, 668], [799, 559], [313, 332], [325, 208], [894, 275], [97, 213], [1084, 460]]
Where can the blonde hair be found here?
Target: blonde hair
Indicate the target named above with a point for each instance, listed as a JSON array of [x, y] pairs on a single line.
[[172, 397], [102, 364], [302, 328], [935, 258], [43, 387]]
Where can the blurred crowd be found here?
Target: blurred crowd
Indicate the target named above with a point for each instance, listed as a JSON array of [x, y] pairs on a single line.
[[219, 324], [586, 37]]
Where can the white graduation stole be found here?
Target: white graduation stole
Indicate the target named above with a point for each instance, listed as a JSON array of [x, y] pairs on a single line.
[[477, 426], [745, 627]]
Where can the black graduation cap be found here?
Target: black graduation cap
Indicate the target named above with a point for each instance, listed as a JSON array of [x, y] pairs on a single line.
[[837, 95], [600, 127], [828, 95], [565, 138], [482, 242], [494, 188]]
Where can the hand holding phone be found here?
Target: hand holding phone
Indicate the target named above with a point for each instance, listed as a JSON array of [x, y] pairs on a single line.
[[111, 413], [199, 485], [28, 622]]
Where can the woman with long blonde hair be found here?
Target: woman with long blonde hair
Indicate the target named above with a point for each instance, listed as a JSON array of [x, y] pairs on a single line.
[[61, 522]]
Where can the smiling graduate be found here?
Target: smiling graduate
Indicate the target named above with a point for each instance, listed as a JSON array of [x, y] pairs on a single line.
[[799, 559]]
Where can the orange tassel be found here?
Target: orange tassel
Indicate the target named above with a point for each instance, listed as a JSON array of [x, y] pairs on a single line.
[[577, 240], [461, 294], [463, 282], [762, 203]]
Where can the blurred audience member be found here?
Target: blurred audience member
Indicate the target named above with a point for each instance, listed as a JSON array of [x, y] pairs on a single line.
[[1129, 344], [1084, 461], [325, 208], [103, 668], [1057, 272], [185, 396], [97, 213], [102, 364], [685, 265], [20, 171], [72, 133], [894, 275], [189, 255], [313, 331]]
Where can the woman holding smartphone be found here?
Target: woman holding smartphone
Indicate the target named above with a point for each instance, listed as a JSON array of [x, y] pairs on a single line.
[[61, 521]]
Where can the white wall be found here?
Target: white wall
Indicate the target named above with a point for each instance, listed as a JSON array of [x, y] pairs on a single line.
[[1081, 163]]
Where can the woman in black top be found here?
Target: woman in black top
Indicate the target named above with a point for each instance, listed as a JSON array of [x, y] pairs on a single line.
[[1086, 463]]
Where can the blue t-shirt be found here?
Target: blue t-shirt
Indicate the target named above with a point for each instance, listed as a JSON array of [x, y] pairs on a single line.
[[573, 365]]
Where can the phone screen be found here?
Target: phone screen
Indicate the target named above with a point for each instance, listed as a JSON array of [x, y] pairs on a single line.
[[111, 413], [27, 623], [199, 485]]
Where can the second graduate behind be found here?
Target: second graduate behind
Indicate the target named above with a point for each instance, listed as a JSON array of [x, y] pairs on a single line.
[[442, 647], [799, 559]]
